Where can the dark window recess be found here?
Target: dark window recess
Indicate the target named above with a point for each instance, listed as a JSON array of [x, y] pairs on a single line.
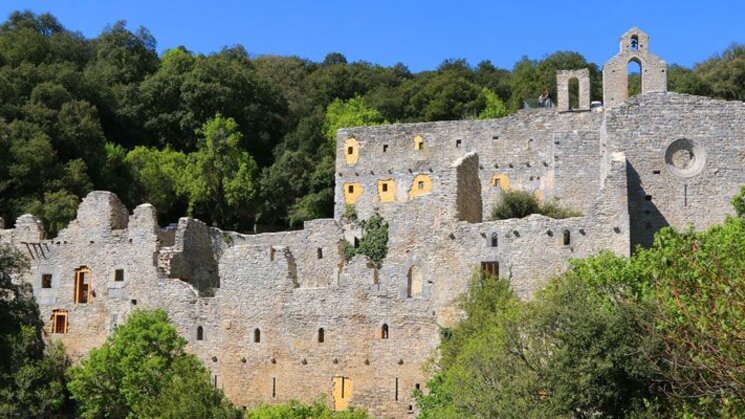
[[490, 268], [494, 240], [257, 335], [350, 150], [200, 333], [384, 331], [567, 238], [319, 253], [46, 280], [396, 389], [321, 335], [647, 197], [350, 188], [457, 143], [385, 148], [385, 187], [119, 275], [656, 172], [134, 302]]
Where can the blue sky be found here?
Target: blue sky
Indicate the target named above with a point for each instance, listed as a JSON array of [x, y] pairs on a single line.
[[420, 34]]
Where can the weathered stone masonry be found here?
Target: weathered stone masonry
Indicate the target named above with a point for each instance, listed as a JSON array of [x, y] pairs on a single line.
[[283, 316]]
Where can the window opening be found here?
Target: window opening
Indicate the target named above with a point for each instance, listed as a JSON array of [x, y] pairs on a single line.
[[396, 389], [385, 148], [319, 253], [274, 386], [634, 74], [567, 238], [59, 321], [119, 275], [46, 280], [350, 188], [634, 43], [384, 331], [490, 268], [420, 184], [321, 335], [457, 143], [385, 187], [83, 286], [200, 333], [257, 335], [350, 150], [494, 240]]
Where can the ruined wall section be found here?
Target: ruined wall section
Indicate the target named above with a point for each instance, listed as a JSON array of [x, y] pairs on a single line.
[[288, 361], [101, 242], [192, 256], [515, 152], [686, 156]]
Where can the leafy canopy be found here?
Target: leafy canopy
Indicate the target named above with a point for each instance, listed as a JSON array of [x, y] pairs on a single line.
[[142, 371]]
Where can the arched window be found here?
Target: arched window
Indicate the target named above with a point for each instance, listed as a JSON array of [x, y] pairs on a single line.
[[494, 239], [200, 333], [567, 238], [634, 43], [321, 335], [635, 77], [414, 282], [384, 331], [257, 335]]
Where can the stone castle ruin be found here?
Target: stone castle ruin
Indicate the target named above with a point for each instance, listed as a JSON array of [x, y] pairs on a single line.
[[281, 316]]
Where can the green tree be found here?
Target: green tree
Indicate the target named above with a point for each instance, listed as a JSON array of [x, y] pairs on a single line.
[[142, 371], [493, 107], [157, 177], [350, 113], [220, 177]]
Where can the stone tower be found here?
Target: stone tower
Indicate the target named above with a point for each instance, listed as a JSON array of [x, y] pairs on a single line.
[[634, 48]]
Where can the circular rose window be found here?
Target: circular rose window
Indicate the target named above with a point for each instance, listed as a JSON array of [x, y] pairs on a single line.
[[685, 158]]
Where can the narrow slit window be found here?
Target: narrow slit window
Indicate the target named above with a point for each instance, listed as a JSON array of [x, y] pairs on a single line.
[[567, 238], [385, 148], [350, 188], [83, 286], [319, 253], [350, 150], [321, 335], [119, 275], [384, 187], [457, 143], [200, 333], [257, 335], [46, 280], [494, 240], [384, 331]]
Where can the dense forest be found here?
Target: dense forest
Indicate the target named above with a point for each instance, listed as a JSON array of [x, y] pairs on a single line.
[[241, 142]]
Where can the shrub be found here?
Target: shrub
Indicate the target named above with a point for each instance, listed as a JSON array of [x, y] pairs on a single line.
[[519, 204], [374, 241]]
